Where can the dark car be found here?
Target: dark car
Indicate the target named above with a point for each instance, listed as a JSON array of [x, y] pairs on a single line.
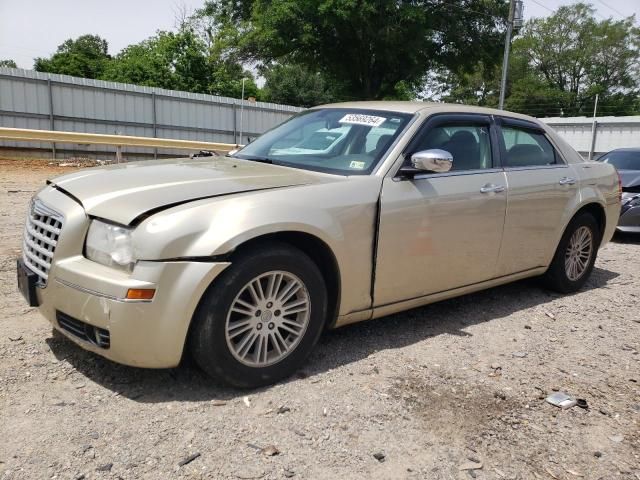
[[627, 162]]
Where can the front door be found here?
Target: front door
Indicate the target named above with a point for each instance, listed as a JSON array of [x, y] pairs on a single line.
[[442, 231]]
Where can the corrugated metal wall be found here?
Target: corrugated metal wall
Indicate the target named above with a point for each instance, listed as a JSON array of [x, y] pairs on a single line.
[[30, 99], [611, 132]]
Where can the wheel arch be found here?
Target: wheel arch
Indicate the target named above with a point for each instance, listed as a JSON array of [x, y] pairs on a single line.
[[592, 206], [597, 211], [314, 247]]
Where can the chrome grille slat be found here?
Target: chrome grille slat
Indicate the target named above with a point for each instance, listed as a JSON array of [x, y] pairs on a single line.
[[41, 233], [46, 226], [30, 243], [35, 269], [44, 264], [39, 236]]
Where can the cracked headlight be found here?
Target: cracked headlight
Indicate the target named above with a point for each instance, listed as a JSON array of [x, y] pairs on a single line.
[[110, 245]]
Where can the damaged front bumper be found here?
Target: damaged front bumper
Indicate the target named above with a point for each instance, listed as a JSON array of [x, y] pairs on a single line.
[[87, 302], [629, 221]]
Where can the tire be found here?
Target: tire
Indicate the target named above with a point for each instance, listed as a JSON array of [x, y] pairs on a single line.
[[560, 276], [223, 321]]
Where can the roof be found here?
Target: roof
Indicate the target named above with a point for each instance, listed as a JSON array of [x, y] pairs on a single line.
[[414, 107]]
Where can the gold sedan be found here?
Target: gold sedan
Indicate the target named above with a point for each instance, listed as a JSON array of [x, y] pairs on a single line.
[[344, 213]]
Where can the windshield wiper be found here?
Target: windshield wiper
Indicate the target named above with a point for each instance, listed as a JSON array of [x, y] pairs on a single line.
[[255, 158]]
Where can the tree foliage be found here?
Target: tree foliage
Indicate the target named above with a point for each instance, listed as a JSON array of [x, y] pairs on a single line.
[[295, 85], [557, 66], [571, 57], [86, 56], [166, 60], [318, 51], [8, 63], [373, 49], [179, 60]]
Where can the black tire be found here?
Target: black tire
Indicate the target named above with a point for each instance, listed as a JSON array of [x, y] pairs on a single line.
[[207, 340], [556, 277]]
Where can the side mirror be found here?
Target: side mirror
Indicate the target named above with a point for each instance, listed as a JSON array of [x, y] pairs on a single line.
[[434, 160]]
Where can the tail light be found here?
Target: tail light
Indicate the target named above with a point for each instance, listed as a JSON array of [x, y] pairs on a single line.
[[619, 186]]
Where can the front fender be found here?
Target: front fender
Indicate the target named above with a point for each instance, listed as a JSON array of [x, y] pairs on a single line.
[[341, 214]]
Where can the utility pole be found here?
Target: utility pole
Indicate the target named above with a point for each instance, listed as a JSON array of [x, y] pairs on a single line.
[[514, 21], [594, 127], [242, 108]]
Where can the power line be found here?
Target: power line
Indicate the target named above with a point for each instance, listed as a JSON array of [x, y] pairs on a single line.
[[553, 11], [543, 6], [615, 10], [624, 17]]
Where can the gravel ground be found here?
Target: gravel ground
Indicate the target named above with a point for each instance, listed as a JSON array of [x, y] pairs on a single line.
[[452, 390]]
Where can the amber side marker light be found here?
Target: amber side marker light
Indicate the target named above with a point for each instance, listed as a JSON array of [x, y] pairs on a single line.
[[140, 293]]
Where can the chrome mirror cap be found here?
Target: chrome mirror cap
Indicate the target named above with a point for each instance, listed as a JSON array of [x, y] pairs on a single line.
[[434, 160]]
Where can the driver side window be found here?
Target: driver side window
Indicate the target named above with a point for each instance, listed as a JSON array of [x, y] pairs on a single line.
[[469, 145]]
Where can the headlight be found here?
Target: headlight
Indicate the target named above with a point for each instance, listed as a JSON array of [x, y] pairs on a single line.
[[110, 245], [633, 201]]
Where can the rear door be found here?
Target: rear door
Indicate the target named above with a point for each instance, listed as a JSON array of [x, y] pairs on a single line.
[[440, 231], [541, 187]]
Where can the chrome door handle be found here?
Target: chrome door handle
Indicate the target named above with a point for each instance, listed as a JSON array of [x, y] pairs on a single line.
[[491, 188], [567, 181]]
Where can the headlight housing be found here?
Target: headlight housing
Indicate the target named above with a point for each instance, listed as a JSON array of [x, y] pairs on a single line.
[[633, 201], [110, 245]]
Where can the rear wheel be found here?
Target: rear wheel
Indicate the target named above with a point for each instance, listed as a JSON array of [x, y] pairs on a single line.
[[260, 320], [575, 256]]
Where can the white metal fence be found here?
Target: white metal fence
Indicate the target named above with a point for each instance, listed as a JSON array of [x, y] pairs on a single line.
[[609, 133], [43, 101]]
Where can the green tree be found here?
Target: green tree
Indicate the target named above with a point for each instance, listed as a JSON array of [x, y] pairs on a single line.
[[569, 57], [480, 86], [179, 61], [295, 85], [8, 64], [170, 60], [226, 80], [87, 56], [374, 49]]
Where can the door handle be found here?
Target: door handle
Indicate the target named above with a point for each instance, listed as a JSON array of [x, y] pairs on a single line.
[[492, 188], [567, 181]]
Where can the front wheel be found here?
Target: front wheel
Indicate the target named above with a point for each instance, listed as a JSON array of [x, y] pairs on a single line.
[[575, 256], [260, 320]]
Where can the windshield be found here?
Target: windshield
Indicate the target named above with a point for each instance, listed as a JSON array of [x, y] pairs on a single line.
[[622, 159], [333, 140]]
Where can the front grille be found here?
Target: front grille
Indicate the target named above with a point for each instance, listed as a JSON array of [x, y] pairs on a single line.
[[41, 233], [96, 335]]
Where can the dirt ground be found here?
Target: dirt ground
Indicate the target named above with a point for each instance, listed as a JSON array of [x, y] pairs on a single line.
[[452, 390]]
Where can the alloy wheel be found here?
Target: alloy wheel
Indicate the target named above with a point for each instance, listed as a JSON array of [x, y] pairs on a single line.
[[268, 318], [578, 253]]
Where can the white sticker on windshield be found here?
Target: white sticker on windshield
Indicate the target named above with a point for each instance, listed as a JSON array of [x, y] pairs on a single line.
[[358, 119], [356, 164]]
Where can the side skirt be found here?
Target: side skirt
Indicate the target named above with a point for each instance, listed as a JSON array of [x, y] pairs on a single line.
[[383, 310]]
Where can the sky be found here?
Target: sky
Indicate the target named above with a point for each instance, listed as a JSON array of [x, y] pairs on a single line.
[[34, 28]]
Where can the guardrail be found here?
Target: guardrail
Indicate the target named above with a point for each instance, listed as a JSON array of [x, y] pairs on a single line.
[[119, 141]]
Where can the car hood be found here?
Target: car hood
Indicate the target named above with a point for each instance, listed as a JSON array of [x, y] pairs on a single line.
[[629, 178], [122, 193]]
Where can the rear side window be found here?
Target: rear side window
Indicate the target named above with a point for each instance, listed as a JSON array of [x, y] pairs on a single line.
[[525, 148]]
